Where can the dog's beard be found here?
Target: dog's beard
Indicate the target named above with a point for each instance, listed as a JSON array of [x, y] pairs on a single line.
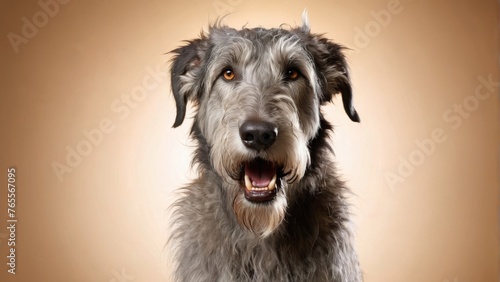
[[262, 219]]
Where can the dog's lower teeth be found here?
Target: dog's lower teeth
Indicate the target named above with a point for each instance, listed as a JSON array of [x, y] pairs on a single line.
[[258, 188]]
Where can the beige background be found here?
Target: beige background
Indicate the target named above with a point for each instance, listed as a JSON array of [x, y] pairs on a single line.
[[107, 219]]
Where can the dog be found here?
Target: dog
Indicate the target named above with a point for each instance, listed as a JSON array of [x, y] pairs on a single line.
[[267, 204]]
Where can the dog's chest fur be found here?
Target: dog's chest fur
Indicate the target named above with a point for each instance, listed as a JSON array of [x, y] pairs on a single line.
[[307, 239]]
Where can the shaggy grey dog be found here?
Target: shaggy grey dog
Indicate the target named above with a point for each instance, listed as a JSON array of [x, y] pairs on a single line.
[[267, 204]]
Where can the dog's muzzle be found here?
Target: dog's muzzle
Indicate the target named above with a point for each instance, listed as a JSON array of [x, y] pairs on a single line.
[[260, 177]]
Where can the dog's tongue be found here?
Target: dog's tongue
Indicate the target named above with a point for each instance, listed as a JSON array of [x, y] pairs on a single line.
[[260, 172]]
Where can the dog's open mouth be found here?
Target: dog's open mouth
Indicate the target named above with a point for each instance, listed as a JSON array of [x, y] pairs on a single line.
[[261, 180]]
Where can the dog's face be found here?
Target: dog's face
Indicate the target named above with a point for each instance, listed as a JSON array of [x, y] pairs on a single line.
[[258, 93]]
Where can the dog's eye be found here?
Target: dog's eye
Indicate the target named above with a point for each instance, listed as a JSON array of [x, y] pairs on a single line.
[[228, 74], [292, 74]]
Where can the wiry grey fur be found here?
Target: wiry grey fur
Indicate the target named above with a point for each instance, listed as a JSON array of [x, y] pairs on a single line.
[[304, 233]]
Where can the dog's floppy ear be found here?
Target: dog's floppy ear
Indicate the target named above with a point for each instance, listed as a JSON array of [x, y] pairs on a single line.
[[187, 74], [331, 65], [333, 73]]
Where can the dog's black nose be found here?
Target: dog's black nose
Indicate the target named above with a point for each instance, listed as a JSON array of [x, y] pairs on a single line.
[[258, 135]]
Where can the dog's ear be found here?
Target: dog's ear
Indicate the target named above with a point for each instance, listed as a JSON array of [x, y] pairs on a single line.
[[331, 65], [333, 73], [187, 74]]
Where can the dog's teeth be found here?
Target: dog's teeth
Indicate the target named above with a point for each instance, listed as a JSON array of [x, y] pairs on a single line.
[[250, 187], [248, 183], [272, 184]]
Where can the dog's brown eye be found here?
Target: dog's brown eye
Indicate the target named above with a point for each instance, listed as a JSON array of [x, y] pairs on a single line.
[[228, 74], [292, 74]]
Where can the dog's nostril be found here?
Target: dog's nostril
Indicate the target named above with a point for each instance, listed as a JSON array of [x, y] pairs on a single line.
[[248, 137], [266, 137], [258, 135]]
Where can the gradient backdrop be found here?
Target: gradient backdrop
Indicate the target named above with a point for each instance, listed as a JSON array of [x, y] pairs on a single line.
[[86, 117]]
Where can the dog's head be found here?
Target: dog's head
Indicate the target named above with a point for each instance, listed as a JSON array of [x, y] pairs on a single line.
[[258, 94]]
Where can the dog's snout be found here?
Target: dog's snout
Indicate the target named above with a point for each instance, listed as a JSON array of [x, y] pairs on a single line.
[[258, 135]]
